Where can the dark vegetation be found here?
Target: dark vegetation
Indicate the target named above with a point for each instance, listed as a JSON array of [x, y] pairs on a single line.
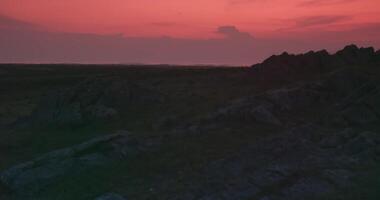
[[293, 127]]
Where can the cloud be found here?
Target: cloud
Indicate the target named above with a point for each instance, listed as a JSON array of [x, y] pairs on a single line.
[[323, 2], [236, 48], [233, 33], [320, 20], [52, 47], [10, 23]]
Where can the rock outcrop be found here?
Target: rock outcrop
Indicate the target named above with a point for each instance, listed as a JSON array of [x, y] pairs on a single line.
[[302, 66], [32, 176], [102, 98], [308, 161], [352, 55], [305, 162], [352, 98], [323, 136]]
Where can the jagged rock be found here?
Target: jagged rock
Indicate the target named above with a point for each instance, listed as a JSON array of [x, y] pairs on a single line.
[[373, 102], [335, 120], [310, 160], [360, 115], [267, 178], [110, 196], [345, 82], [247, 109], [29, 177], [307, 188], [352, 55], [366, 141], [312, 64], [337, 90], [288, 65], [341, 178], [281, 99], [287, 99], [264, 108], [263, 114], [338, 139], [300, 169]]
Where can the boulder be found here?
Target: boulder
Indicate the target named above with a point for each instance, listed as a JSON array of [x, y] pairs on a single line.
[[30, 177], [263, 114]]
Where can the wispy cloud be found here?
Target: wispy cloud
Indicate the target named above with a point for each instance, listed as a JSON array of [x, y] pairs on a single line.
[[323, 2], [10, 23], [238, 2], [320, 20], [52, 47]]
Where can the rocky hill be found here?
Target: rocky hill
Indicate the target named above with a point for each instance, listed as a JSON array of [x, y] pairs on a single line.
[[212, 134], [303, 66]]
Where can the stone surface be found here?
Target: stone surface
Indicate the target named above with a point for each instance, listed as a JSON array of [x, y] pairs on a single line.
[[110, 196], [307, 188], [305, 162], [263, 114], [32, 176], [360, 115]]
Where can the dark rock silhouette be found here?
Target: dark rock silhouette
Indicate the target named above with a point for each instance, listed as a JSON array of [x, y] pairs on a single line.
[[313, 64], [352, 55]]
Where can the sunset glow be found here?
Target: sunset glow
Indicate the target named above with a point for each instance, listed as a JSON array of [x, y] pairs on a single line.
[[326, 21]]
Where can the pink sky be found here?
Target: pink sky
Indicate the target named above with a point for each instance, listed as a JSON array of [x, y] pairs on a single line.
[[295, 25]]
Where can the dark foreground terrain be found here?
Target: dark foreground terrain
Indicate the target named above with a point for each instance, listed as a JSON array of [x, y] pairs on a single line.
[[293, 127]]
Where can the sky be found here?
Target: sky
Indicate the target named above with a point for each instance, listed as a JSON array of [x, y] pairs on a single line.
[[231, 32]]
